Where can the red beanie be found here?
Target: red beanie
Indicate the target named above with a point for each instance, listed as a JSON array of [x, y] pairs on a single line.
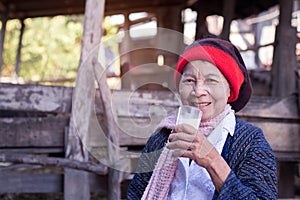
[[227, 58]]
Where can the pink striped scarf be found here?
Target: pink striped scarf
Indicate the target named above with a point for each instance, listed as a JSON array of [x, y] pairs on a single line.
[[162, 176]]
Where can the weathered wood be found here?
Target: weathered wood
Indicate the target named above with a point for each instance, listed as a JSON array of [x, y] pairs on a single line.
[[280, 135], [83, 118], [54, 162], [286, 178], [139, 112], [228, 11], [2, 37], [32, 98], [11, 182], [35, 98], [33, 150], [272, 108], [32, 131], [30, 183], [298, 85], [18, 56], [112, 136], [284, 59]]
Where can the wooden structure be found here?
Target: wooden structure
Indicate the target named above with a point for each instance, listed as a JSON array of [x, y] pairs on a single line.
[[46, 132], [53, 129]]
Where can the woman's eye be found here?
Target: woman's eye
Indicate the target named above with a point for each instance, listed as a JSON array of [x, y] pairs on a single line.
[[189, 80], [210, 80]]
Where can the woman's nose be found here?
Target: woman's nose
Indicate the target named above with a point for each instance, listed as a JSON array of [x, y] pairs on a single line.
[[200, 89]]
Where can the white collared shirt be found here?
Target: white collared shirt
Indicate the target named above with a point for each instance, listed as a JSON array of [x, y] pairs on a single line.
[[192, 181]]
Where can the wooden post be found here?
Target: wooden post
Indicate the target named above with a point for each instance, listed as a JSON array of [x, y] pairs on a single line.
[[228, 14], [286, 180], [125, 54], [125, 46], [298, 87], [201, 25], [18, 57], [284, 59], [2, 37], [172, 31], [76, 183]]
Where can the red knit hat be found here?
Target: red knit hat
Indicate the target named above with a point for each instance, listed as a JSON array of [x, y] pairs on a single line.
[[227, 58]]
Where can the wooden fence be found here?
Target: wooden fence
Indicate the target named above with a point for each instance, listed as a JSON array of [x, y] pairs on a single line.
[[34, 120]]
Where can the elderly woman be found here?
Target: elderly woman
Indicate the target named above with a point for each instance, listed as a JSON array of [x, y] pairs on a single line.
[[226, 158]]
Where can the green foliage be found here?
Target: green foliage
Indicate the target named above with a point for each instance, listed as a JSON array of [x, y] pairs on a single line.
[[50, 47]]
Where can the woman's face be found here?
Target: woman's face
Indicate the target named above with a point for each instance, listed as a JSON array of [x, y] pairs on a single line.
[[203, 85]]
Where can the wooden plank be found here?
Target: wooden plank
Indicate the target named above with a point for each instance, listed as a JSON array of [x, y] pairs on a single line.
[[54, 162], [32, 132], [73, 180], [30, 183], [44, 183], [282, 136], [98, 183], [159, 103], [35, 98], [144, 103], [271, 107], [33, 150], [135, 131], [139, 112]]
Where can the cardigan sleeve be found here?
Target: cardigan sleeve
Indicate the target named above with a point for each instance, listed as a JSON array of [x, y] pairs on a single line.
[[146, 164], [254, 174]]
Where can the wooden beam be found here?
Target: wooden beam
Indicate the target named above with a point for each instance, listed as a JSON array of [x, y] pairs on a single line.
[[2, 37], [33, 8], [18, 57], [117, 7]]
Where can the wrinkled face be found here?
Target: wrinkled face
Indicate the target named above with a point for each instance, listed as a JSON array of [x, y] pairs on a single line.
[[203, 85]]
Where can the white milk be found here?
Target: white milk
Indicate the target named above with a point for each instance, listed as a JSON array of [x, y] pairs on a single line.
[[195, 122]]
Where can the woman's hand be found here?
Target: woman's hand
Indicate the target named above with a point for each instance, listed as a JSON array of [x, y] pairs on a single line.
[[186, 141]]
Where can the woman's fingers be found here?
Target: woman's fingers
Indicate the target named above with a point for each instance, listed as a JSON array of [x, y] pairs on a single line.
[[179, 144], [181, 136], [186, 128], [186, 141]]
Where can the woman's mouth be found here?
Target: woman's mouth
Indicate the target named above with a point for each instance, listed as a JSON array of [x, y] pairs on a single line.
[[202, 104]]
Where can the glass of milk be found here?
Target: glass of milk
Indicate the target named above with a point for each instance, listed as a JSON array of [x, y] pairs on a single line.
[[189, 115]]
